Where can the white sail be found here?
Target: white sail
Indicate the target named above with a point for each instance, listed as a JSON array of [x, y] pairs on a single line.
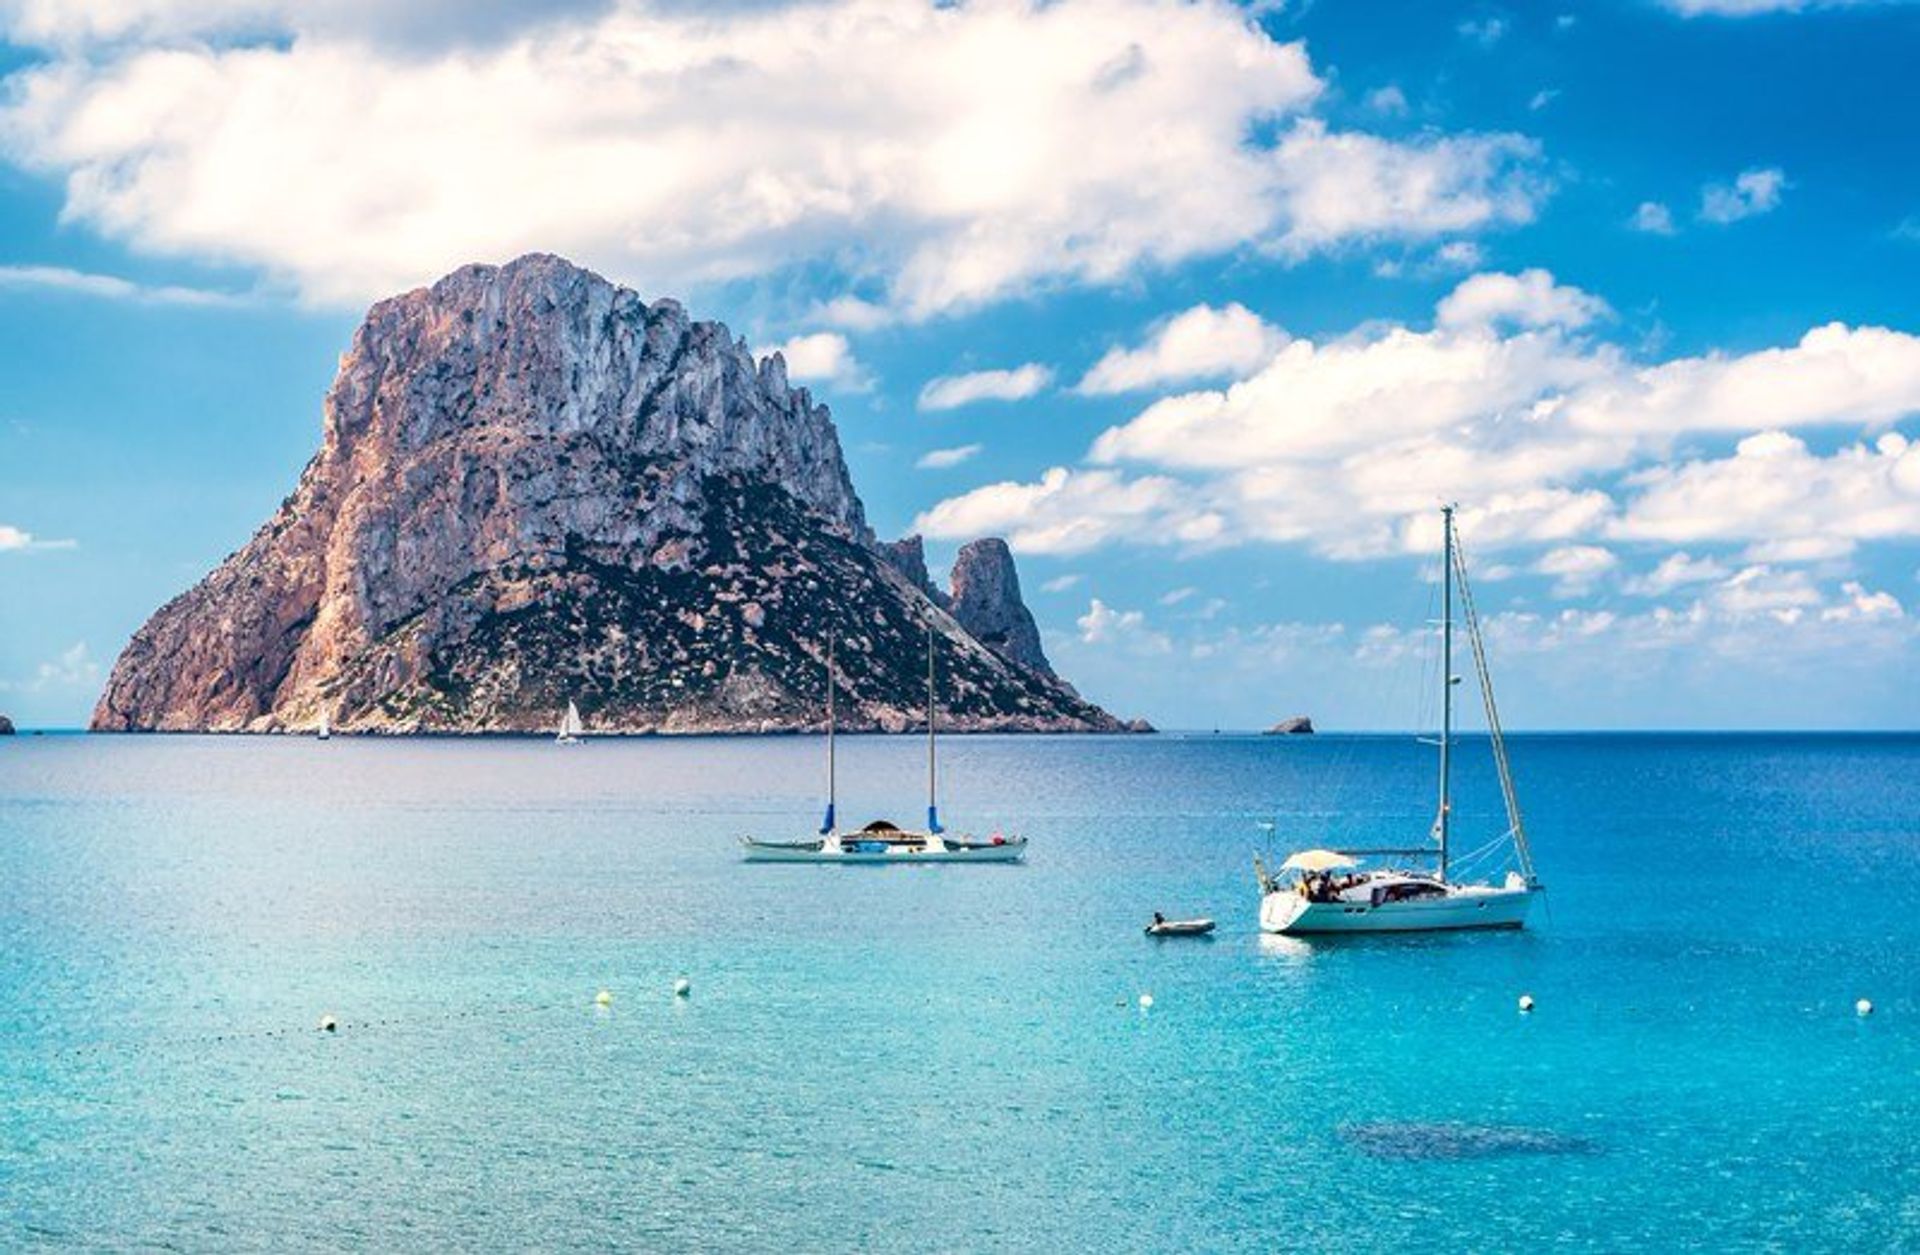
[[570, 727], [326, 726]]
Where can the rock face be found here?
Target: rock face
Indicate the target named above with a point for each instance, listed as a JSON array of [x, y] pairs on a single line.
[[534, 487], [6, 726], [986, 601], [1297, 725]]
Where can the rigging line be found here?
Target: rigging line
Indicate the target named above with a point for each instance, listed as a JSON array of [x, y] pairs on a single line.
[[1494, 731]]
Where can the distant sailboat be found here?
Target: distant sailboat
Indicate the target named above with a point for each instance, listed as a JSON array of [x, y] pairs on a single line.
[[882, 841], [325, 730], [570, 728], [1314, 899]]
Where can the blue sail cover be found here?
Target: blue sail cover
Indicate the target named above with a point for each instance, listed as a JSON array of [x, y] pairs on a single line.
[[826, 825], [933, 819]]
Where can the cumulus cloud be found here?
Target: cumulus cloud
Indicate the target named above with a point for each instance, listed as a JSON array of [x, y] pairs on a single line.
[[1124, 629], [1509, 404], [1528, 299], [1753, 192], [1653, 218], [1389, 100], [1074, 511], [823, 357], [1576, 568], [950, 392], [1201, 343], [945, 459], [938, 157]]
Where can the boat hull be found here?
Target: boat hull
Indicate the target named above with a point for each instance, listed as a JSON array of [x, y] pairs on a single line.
[[1465, 908], [1010, 851]]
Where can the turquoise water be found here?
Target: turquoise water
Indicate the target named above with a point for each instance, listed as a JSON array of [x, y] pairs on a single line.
[[940, 1057]]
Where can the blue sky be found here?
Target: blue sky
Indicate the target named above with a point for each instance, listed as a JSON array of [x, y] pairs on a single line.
[[1638, 284]]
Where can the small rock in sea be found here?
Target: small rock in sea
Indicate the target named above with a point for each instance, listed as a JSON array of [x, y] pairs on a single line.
[[1296, 725], [6, 726]]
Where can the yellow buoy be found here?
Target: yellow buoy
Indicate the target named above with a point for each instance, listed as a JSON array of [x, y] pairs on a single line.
[[1526, 1002], [603, 999]]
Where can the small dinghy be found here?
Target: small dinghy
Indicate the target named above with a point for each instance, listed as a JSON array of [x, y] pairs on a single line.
[[1164, 927]]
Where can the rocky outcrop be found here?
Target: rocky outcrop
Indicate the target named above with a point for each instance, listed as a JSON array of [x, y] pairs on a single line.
[[6, 726], [533, 487], [1296, 725], [985, 598], [908, 555]]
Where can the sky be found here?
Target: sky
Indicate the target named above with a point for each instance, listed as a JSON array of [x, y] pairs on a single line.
[[1205, 306]]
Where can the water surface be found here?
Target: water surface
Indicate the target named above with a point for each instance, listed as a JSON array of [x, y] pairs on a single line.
[[941, 1057]]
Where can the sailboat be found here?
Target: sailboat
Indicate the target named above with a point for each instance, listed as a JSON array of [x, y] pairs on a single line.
[[883, 841], [325, 730], [1324, 891], [570, 728]]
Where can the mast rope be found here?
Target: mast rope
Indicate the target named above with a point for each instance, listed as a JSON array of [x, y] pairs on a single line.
[[1495, 734]]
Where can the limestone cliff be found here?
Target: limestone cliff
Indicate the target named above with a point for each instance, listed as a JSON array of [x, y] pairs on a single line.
[[533, 486]]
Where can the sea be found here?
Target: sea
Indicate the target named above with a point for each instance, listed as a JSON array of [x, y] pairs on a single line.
[[946, 1058]]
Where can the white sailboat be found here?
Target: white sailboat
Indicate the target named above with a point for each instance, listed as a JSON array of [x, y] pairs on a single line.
[[325, 730], [883, 841], [1324, 891], [570, 726]]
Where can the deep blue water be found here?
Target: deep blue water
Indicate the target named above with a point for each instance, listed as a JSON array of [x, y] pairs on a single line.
[[945, 1058]]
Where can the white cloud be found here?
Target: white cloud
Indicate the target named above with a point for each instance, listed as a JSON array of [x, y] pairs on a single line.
[[938, 157], [1776, 490], [1547, 435], [1528, 299], [1576, 568], [952, 391], [823, 357], [1075, 511], [944, 459], [1061, 583], [1123, 629], [1653, 218], [1753, 192], [108, 287], [18, 540], [1542, 98], [1859, 603], [75, 668], [1353, 186], [1676, 571], [1178, 595], [1203, 342], [1388, 101]]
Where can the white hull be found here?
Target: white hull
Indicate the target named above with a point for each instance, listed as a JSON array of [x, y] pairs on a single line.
[[1012, 850], [1463, 907]]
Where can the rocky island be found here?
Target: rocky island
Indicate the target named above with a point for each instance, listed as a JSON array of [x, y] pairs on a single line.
[[535, 487], [1293, 725]]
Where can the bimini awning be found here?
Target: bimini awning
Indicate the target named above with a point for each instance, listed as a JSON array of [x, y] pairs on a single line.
[[1317, 861]]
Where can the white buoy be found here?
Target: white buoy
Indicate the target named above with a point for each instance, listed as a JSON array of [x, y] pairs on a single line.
[[328, 1024], [1526, 1002], [682, 987], [1864, 1006], [1146, 1002], [603, 999]]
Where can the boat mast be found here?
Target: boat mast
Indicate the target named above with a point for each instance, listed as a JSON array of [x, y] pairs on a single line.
[[826, 826], [933, 800], [1446, 687]]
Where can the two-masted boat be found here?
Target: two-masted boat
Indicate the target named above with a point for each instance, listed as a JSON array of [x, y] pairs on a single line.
[[883, 841], [1328, 891]]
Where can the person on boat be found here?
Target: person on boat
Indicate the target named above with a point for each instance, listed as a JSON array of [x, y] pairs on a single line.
[[1158, 919]]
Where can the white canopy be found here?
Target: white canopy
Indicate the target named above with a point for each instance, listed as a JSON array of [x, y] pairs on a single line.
[[1317, 861]]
